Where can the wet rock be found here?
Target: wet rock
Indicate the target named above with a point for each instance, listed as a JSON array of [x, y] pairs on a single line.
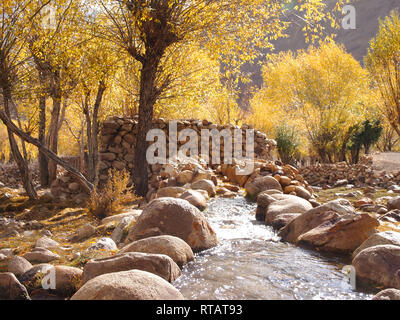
[[327, 213], [177, 249], [175, 217], [379, 265], [41, 255], [206, 185], [11, 288], [388, 294], [382, 238], [283, 220], [18, 265], [341, 234], [161, 265], [284, 204], [261, 184], [195, 198], [105, 244], [128, 285]]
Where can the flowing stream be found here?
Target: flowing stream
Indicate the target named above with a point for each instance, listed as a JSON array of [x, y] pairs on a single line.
[[251, 263]]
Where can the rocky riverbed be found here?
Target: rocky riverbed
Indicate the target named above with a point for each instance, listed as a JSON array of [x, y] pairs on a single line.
[[287, 241]]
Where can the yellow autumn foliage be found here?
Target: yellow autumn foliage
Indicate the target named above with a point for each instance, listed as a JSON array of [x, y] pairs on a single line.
[[321, 92]]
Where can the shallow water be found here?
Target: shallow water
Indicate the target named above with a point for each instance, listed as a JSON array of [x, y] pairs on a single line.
[[251, 263]]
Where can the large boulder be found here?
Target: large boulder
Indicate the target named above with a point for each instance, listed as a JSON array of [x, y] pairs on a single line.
[[341, 234], [261, 184], [304, 223], [177, 249], [128, 285], [333, 227], [315, 217], [377, 239], [279, 204], [206, 185], [158, 264], [170, 192], [175, 217], [18, 265], [195, 198], [388, 294], [65, 282], [11, 288], [379, 265], [68, 280]]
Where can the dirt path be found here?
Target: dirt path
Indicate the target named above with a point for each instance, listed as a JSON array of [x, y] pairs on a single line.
[[386, 161]]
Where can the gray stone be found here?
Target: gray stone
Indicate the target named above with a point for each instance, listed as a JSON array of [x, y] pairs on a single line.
[[177, 249], [18, 265], [382, 238], [119, 231], [41, 255], [379, 265], [46, 243], [128, 285], [388, 294], [175, 217], [161, 265], [106, 244], [11, 288]]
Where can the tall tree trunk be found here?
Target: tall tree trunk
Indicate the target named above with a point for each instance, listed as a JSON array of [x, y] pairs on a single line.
[[89, 163], [53, 135], [43, 163], [148, 97], [21, 163], [95, 128]]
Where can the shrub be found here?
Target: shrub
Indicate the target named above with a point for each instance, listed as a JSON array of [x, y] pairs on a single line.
[[288, 144], [108, 200]]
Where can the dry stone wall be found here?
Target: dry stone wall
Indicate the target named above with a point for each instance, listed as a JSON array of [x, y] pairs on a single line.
[[360, 174], [118, 138], [117, 151]]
